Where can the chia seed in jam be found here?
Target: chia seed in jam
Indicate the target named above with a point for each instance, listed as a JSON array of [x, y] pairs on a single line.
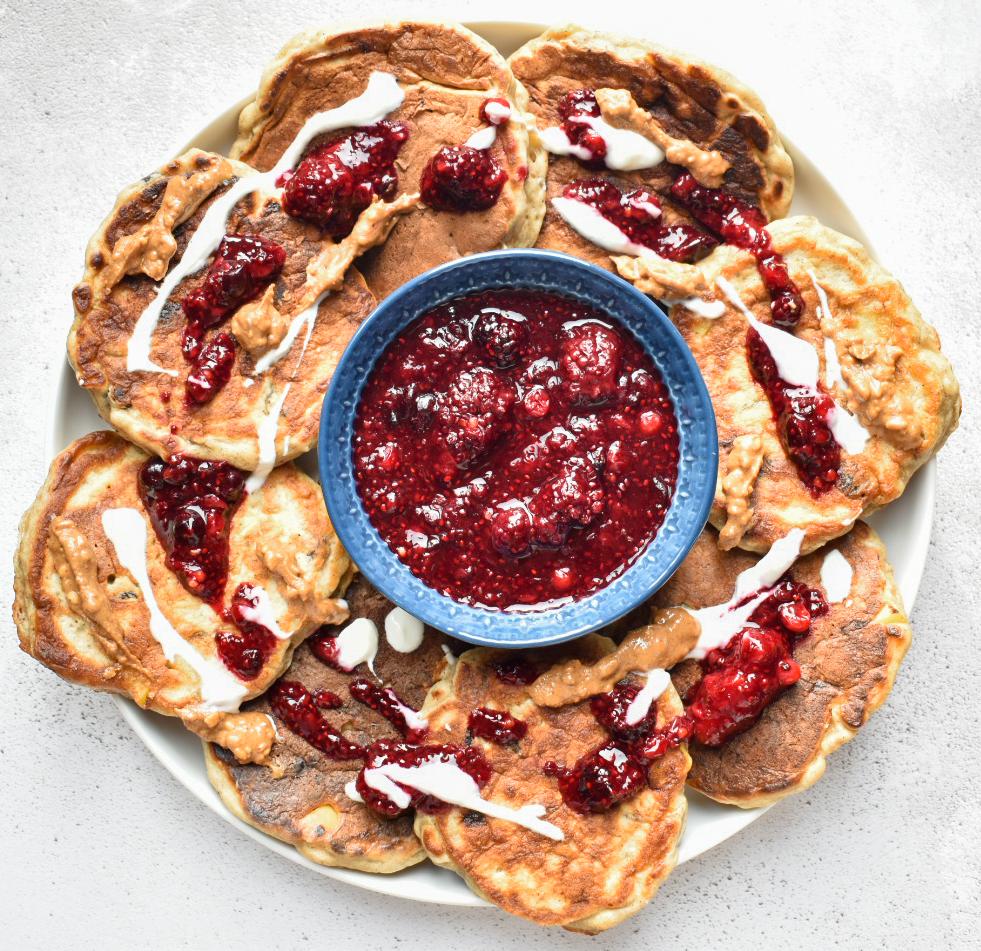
[[516, 427]]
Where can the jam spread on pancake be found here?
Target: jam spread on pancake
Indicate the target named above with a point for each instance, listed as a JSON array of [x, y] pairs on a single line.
[[572, 108], [741, 678], [461, 178], [327, 700], [802, 416], [516, 427], [617, 770], [336, 182], [242, 266], [637, 213], [497, 726], [743, 225], [296, 707], [469, 759], [495, 111], [190, 503], [515, 670], [386, 702], [245, 651]]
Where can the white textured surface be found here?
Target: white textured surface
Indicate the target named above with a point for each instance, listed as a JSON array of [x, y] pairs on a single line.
[[101, 847]]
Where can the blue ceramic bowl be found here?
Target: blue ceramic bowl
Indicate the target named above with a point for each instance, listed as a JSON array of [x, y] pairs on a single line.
[[561, 274]]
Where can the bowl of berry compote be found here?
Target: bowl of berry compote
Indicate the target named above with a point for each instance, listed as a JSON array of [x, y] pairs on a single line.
[[518, 448]]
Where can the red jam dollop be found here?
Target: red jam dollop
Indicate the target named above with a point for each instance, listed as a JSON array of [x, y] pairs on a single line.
[[245, 651], [336, 181], [515, 670], [461, 178], [637, 213], [573, 108], [190, 503], [803, 419], [744, 676], [386, 702], [297, 708], [516, 447], [323, 646], [327, 699], [742, 224], [211, 370], [469, 759], [497, 726]]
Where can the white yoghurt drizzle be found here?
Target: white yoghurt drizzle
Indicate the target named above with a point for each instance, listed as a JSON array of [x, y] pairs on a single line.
[[797, 364], [626, 151], [836, 576], [720, 622], [263, 614], [450, 784], [357, 643], [403, 632], [220, 690], [497, 114], [657, 683], [832, 368], [381, 97], [267, 442], [351, 791]]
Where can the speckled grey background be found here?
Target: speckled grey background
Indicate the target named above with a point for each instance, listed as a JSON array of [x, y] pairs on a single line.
[[101, 847]]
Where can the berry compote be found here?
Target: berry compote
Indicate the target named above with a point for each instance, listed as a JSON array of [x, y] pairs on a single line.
[[516, 447], [336, 181], [386, 702], [574, 107], [242, 266], [461, 178], [637, 213], [497, 726], [737, 222], [245, 651], [190, 503], [744, 676], [803, 418], [297, 708]]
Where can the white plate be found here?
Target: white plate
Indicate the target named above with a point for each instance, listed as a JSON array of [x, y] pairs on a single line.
[[904, 526]]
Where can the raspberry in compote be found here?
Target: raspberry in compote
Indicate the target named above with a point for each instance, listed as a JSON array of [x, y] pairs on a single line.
[[516, 427], [190, 503], [460, 178], [336, 181]]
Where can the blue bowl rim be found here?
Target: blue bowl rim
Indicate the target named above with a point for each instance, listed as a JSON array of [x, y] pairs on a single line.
[[365, 545]]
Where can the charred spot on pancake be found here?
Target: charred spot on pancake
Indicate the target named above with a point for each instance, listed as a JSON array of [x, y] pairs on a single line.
[[82, 297]]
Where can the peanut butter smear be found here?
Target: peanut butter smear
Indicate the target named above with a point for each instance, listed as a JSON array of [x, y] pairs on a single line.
[[742, 466], [672, 633], [191, 179], [258, 326], [249, 737], [661, 278], [621, 110]]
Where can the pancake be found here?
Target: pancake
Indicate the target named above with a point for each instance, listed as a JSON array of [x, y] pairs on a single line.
[[609, 864], [298, 796], [893, 379], [269, 410], [694, 108], [82, 607], [848, 664], [445, 72]]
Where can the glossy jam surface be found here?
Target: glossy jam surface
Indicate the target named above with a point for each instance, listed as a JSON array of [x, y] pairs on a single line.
[[460, 178], [242, 267], [297, 708], [386, 702], [802, 417], [497, 726], [516, 448], [323, 646], [739, 223], [469, 759], [336, 181], [573, 108], [190, 503], [744, 676], [515, 670], [245, 651], [637, 213]]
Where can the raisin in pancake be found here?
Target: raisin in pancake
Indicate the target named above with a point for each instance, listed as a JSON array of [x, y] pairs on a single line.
[[609, 864], [82, 606], [298, 796], [694, 103], [848, 664], [445, 72], [282, 363], [886, 369]]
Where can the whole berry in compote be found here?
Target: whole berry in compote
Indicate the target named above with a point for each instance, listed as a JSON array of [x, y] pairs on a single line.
[[572, 499], [474, 414], [500, 335], [461, 178], [591, 359], [336, 182], [601, 779], [211, 370]]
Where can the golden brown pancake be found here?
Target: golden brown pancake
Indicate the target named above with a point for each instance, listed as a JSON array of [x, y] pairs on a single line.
[[848, 664], [298, 796], [142, 239], [691, 101], [609, 864], [446, 73], [894, 379], [80, 611]]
